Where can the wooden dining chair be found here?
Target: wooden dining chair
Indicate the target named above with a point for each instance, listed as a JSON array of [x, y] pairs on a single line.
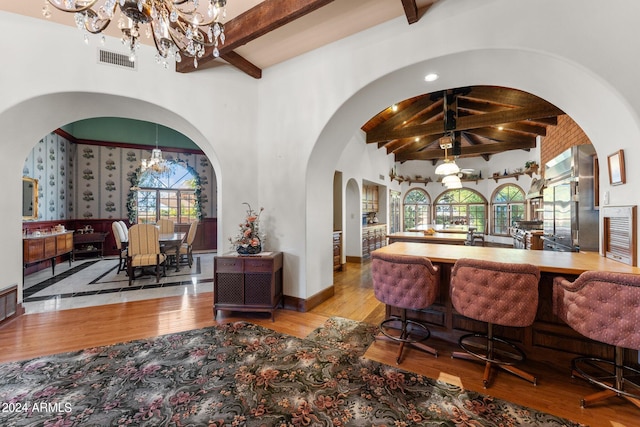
[[144, 250], [186, 249], [118, 235]]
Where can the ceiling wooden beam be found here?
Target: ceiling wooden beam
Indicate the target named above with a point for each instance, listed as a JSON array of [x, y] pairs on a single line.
[[469, 122], [406, 115], [411, 11], [255, 22], [242, 64], [475, 150]]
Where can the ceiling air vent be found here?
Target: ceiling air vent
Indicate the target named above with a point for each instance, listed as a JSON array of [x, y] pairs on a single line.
[[118, 59]]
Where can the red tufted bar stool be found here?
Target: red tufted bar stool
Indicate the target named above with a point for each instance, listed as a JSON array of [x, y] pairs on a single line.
[[409, 283], [497, 293], [605, 307]]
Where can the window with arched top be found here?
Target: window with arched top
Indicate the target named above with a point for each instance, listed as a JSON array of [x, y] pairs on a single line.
[[417, 210], [507, 207], [461, 206], [173, 194]]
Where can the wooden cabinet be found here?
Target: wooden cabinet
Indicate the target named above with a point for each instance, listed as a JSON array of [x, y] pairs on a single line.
[[373, 237], [47, 247], [247, 283], [89, 244], [337, 250], [533, 240], [369, 198]]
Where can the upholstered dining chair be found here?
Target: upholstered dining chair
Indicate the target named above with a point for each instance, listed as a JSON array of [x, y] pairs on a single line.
[[186, 249], [409, 283], [143, 250], [118, 235], [165, 226], [496, 293], [604, 307], [124, 228]]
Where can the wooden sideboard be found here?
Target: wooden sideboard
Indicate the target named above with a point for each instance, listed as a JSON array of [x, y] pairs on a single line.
[[38, 248], [247, 283], [88, 244]]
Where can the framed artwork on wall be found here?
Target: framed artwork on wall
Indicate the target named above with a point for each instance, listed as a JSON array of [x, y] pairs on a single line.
[[616, 168]]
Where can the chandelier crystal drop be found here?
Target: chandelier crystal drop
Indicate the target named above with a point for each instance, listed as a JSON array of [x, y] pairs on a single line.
[[179, 28], [156, 162]]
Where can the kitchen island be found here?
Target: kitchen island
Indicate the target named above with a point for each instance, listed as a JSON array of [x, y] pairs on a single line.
[[422, 237], [548, 339]]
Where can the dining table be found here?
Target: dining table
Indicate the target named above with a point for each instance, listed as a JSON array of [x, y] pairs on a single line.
[[171, 242]]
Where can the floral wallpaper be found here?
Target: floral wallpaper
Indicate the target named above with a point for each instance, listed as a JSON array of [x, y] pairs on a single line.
[[50, 162], [78, 181]]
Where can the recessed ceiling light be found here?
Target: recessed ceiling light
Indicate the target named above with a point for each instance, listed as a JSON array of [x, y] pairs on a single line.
[[431, 77]]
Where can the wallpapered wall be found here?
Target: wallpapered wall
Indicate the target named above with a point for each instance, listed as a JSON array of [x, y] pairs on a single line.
[[77, 181]]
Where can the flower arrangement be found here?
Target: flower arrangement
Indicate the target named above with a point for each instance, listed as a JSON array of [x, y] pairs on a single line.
[[248, 240]]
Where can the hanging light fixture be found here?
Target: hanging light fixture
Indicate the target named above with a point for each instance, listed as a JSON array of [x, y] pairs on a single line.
[[452, 181], [178, 27], [156, 162], [449, 166]]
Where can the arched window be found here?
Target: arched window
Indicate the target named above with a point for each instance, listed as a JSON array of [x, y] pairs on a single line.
[[417, 210], [462, 206], [173, 195], [507, 206]]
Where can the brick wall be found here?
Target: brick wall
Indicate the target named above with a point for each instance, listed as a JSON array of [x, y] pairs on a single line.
[[566, 134]]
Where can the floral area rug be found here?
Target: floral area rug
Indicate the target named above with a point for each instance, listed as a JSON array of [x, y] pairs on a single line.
[[241, 374]]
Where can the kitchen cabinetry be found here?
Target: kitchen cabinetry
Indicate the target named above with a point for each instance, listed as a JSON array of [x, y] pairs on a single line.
[[369, 198], [47, 247], [337, 250], [533, 240], [373, 237], [247, 283]]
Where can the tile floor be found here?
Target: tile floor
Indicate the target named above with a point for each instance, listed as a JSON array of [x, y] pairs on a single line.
[[96, 282]]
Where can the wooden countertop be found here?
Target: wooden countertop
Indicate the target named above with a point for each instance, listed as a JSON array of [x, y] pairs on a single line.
[[420, 237], [547, 261]]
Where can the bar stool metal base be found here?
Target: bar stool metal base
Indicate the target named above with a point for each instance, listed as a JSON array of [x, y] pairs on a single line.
[[406, 332], [495, 352], [616, 378]]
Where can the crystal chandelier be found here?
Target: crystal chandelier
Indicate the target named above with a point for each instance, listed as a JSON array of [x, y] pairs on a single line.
[[156, 162], [178, 27]]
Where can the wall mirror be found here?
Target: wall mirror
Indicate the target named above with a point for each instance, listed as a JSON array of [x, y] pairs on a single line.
[[29, 198]]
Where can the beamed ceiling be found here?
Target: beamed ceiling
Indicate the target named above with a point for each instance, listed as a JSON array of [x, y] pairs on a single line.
[[484, 120], [262, 33]]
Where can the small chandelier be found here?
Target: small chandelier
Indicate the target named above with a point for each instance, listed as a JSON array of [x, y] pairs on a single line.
[[449, 166], [178, 28], [156, 162]]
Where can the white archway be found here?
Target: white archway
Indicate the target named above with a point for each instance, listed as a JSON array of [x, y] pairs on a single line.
[[574, 89], [45, 113]]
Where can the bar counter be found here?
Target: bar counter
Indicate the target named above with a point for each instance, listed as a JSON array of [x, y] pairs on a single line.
[[421, 237], [548, 339]]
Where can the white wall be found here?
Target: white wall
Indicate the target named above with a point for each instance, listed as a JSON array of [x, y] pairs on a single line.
[[276, 142], [47, 88]]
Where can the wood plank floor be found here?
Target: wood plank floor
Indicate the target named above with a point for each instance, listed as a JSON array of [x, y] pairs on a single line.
[[67, 330]]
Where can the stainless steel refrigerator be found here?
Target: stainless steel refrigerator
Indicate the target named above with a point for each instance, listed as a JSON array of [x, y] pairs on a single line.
[[571, 221]]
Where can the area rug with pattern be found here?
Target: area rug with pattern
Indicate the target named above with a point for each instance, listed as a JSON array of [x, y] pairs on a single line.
[[241, 374]]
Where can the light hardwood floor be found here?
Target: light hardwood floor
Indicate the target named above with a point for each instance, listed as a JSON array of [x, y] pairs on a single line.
[[53, 332]]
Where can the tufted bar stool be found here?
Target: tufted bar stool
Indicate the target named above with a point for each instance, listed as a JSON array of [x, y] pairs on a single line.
[[497, 293], [410, 283], [604, 307]]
